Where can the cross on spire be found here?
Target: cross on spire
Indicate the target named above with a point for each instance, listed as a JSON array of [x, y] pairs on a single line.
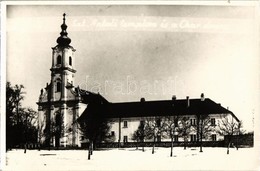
[[64, 15]]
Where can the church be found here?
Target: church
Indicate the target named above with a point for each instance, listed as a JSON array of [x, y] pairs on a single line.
[[61, 103]]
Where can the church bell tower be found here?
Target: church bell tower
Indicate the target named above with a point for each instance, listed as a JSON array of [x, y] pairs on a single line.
[[62, 77], [59, 103], [62, 70]]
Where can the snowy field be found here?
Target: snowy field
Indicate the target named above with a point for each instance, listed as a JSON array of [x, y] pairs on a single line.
[[132, 159]]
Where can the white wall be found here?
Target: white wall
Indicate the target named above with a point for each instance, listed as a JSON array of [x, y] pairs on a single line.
[[134, 122]]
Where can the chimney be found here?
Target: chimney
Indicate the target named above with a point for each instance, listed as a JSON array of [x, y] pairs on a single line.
[[202, 98], [227, 108], [174, 97], [142, 99], [188, 101]]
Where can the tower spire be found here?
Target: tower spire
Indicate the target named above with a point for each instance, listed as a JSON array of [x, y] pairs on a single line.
[[64, 19], [63, 40]]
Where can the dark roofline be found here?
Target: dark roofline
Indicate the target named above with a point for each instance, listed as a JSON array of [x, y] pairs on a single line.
[[158, 108], [166, 107], [235, 117]]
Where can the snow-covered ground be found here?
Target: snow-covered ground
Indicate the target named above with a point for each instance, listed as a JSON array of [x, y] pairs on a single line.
[[132, 159]]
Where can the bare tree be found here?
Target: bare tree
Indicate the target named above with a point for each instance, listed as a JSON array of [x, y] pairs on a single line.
[[184, 129], [14, 126], [19, 96], [228, 127], [28, 118], [95, 127], [203, 128], [172, 128], [136, 137], [139, 135], [20, 121], [154, 129]]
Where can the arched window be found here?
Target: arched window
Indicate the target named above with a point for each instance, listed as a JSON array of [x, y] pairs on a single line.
[[70, 61], [59, 59], [58, 87]]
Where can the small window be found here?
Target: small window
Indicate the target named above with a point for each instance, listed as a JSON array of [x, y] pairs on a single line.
[[193, 122], [59, 59], [214, 137], [175, 122], [192, 137], [158, 122], [125, 139], [125, 124], [142, 124], [70, 61], [58, 88], [213, 121], [112, 133]]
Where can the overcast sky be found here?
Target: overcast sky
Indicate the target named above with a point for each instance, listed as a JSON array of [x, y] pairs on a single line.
[[128, 52]]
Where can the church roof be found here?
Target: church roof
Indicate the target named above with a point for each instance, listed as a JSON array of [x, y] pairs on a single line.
[[90, 97], [156, 108], [165, 108]]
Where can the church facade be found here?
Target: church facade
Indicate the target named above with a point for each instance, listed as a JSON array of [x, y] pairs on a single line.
[[61, 104]]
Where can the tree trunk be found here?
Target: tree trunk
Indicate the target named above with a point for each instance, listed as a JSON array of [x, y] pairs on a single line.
[[49, 142], [171, 146], [228, 147], [237, 143], [201, 146], [143, 144], [119, 133], [153, 145], [185, 144], [201, 134], [89, 150], [119, 144], [25, 146]]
